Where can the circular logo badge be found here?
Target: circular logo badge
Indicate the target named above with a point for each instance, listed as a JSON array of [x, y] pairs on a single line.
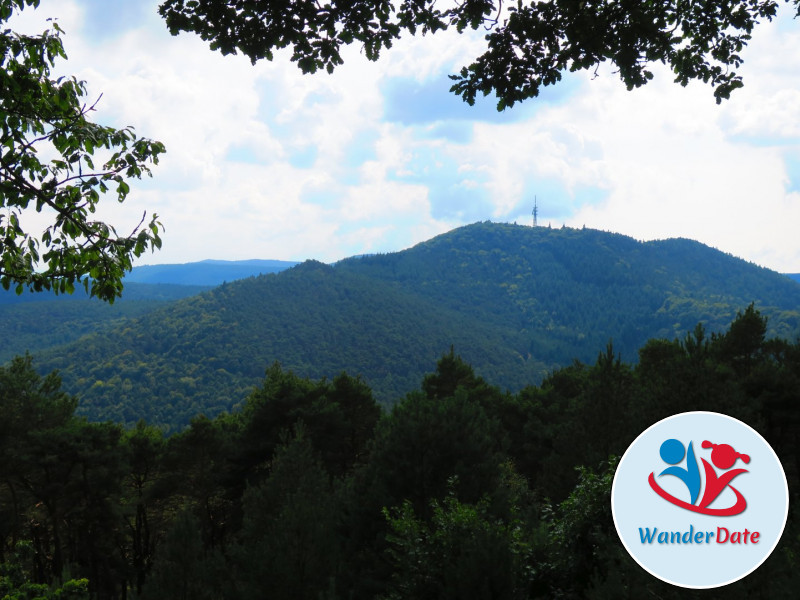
[[700, 500]]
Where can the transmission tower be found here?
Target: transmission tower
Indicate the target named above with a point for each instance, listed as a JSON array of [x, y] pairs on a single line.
[[535, 212]]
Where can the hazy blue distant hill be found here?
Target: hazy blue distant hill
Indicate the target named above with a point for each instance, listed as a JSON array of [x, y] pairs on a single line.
[[206, 272], [795, 276], [516, 302]]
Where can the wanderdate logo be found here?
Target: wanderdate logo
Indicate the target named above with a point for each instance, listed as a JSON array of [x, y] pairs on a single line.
[[723, 457], [700, 500]]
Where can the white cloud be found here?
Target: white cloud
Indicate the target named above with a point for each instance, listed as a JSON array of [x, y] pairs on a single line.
[[767, 105], [31, 21], [678, 166], [265, 162]]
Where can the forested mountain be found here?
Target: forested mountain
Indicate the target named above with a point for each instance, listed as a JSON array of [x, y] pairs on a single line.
[[516, 302]]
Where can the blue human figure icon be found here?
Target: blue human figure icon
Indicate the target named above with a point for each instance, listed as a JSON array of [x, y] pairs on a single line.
[[672, 452]]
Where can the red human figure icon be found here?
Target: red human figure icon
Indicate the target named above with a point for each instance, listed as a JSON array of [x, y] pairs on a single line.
[[724, 457]]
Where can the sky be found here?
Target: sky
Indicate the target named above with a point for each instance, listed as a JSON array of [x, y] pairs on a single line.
[[265, 162]]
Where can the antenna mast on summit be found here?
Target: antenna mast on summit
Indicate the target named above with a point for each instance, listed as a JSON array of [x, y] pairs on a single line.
[[535, 212]]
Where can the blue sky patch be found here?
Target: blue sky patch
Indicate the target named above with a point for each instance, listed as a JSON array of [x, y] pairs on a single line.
[[318, 197], [455, 201], [457, 132], [412, 102], [303, 158], [360, 149], [556, 203], [242, 154], [107, 19], [453, 195], [792, 161]]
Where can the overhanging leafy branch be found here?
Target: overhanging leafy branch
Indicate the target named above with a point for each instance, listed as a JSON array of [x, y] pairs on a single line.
[[529, 44], [48, 150]]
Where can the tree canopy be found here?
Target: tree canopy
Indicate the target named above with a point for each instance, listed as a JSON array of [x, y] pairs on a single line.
[[56, 161], [529, 44], [310, 491]]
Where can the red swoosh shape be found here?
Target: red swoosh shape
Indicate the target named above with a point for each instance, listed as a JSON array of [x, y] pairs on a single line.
[[737, 508]]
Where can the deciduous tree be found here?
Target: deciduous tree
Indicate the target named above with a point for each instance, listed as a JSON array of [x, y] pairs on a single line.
[[464, 552], [54, 160]]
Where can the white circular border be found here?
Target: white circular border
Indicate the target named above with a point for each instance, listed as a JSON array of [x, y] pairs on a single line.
[[785, 487]]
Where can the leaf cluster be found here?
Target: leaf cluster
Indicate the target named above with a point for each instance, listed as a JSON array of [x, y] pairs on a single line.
[[42, 116], [539, 41], [530, 44], [314, 30]]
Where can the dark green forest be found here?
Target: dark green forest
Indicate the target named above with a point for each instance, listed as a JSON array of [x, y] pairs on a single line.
[[311, 490], [36, 321], [517, 302]]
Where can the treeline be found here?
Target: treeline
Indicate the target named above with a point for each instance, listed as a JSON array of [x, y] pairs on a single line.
[[462, 491]]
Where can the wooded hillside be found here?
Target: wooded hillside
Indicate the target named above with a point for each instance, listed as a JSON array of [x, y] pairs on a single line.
[[516, 302]]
